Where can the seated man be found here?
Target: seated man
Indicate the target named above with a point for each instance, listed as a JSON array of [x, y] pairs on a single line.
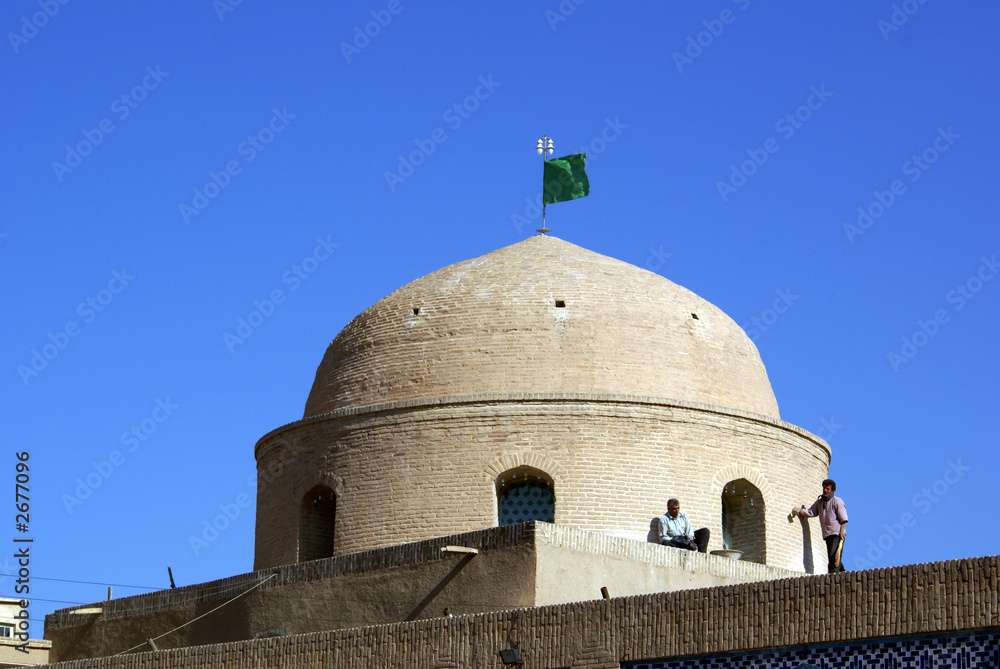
[[675, 529]]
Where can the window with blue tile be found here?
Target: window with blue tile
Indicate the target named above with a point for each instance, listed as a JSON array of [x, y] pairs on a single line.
[[965, 651]]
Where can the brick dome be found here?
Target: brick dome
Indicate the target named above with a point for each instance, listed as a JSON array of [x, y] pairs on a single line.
[[542, 316]]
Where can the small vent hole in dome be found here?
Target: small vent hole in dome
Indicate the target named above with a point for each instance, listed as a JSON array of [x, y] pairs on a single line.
[[416, 311], [560, 304], [694, 316]]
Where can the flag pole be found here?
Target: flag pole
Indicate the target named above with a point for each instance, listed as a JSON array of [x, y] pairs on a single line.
[[544, 149]]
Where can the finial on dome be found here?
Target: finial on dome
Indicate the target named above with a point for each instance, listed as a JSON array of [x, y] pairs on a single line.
[[545, 147]]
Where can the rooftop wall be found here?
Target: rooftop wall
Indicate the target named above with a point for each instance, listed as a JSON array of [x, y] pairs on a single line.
[[517, 566], [942, 598]]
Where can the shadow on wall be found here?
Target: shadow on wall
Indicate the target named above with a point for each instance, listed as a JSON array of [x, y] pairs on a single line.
[[807, 552], [654, 531]]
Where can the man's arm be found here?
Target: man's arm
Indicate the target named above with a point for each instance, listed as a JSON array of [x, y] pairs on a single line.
[[811, 512], [688, 532], [664, 531], [841, 510]]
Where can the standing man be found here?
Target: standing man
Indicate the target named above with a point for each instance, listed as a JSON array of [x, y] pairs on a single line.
[[675, 529], [832, 515]]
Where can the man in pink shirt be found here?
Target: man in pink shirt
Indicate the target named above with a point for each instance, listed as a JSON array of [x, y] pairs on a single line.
[[832, 514]]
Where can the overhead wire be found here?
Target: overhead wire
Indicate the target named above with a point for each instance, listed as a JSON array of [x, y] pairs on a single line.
[[66, 580], [39, 599], [228, 601]]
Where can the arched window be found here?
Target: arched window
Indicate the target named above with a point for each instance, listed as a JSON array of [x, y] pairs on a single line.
[[524, 494], [743, 520], [317, 516]]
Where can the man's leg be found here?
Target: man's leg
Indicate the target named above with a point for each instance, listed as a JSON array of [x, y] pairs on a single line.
[[701, 538], [678, 543], [832, 543]]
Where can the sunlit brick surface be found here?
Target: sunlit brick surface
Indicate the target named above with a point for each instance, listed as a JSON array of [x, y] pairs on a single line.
[[412, 471], [491, 324]]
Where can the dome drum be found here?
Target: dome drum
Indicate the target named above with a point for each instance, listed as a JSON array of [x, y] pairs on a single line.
[[412, 471]]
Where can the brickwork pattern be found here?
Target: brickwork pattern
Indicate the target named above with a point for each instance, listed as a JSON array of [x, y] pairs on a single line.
[[952, 598], [491, 324], [647, 553], [414, 470]]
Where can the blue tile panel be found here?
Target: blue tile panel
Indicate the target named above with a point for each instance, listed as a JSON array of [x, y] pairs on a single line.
[[965, 651]]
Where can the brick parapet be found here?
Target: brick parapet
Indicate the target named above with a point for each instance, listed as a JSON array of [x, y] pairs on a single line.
[[648, 553], [899, 602]]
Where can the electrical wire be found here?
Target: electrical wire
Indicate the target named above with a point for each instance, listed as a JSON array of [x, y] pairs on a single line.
[[66, 580], [39, 599], [248, 590]]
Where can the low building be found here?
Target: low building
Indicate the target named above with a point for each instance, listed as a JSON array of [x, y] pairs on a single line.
[[14, 650]]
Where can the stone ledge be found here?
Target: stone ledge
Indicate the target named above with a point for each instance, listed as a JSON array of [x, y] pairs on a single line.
[[662, 556]]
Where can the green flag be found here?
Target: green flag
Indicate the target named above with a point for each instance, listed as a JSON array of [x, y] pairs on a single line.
[[565, 179]]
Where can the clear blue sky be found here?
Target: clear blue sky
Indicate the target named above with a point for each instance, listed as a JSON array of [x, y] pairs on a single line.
[[167, 166]]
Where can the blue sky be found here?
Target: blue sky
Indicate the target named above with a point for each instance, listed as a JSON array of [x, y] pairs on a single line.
[[825, 175]]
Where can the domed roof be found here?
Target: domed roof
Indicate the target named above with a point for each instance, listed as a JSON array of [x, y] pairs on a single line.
[[542, 316]]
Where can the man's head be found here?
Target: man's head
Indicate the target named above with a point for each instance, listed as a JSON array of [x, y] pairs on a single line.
[[673, 507], [829, 487]]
